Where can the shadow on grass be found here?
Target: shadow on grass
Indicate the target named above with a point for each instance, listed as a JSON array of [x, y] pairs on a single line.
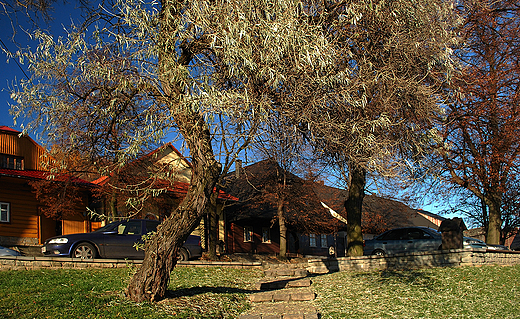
[[193, 291], [410, 277]]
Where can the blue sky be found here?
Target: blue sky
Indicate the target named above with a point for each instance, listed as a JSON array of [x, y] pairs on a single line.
[[9, 69]]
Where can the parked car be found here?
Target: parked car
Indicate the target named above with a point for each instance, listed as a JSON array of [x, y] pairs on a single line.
[[411, 240], [115, 240], [8, 252]]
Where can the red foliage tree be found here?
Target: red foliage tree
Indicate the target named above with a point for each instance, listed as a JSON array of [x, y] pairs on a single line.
[[482, 144], [59, 199]]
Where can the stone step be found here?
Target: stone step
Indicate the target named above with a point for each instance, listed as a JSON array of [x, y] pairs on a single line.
[[286, 272], [283, 295], [281, 310], [283, 283]]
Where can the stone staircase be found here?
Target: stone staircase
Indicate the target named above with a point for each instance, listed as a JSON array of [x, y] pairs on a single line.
[[284, 293]]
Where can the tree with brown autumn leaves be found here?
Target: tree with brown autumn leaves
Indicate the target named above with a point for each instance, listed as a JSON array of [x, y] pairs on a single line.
[[481, 146]]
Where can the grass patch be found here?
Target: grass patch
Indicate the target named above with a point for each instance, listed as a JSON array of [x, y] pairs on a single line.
[[98, 293], [467, 292]]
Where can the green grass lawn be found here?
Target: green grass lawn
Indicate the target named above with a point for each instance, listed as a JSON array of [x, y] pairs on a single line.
[[469, 292], [98, 293]]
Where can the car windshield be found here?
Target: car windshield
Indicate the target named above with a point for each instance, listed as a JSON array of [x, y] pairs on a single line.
[[435, 231]]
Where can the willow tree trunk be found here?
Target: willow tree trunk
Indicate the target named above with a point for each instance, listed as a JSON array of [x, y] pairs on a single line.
[[150, 281], [353, 206]]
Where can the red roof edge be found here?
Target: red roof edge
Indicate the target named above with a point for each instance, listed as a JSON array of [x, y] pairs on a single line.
[[34, 174], [8, 129], [182, 188]]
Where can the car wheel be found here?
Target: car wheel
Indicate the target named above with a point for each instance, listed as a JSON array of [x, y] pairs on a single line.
[[183, 255], [84, 251], [378, 252]]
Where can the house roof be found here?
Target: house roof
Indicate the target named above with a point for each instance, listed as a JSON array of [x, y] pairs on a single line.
[[379, 213], [386, 213], [176, 187], [256, 186], [42, 175], [8, 129]]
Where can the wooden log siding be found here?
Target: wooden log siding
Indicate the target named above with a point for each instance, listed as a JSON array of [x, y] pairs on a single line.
[[24, 147], [24, 208]]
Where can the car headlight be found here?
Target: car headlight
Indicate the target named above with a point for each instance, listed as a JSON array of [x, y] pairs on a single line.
[[59, 241]]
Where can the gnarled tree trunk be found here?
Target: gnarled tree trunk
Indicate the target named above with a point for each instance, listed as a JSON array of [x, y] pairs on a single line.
[[150, 282]]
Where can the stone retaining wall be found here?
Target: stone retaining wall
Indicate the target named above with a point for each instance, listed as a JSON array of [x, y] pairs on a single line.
[[439, 258], [450, 258], [22, 262]]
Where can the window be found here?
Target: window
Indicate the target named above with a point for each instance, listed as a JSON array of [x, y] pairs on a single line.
[[312, 240], [5, 212], [396, 234], [266, 235], [248, 233], [323, 241], [11, 162], [129, 228]]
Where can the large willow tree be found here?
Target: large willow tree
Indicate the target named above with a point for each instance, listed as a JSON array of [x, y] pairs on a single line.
[[145, 68], [391, 62]]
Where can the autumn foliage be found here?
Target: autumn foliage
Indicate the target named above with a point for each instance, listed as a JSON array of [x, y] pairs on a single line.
[[481, 140]]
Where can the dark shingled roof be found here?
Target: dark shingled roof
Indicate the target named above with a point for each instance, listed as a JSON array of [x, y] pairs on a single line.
[[255, 189]]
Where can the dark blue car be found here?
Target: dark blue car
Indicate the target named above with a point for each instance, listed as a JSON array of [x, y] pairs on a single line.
[[115, 240]]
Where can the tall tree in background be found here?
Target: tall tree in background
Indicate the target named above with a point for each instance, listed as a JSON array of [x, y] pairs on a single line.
[[482, 134], [284, 146]]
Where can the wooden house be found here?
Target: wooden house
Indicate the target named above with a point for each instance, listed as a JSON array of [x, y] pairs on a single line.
[[316, 214], [21, 220], [252, 222]]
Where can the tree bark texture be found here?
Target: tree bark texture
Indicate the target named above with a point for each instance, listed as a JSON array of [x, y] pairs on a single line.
[[283, 228], [150, 282], [213, 227], [495, 220], [353, 206]]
